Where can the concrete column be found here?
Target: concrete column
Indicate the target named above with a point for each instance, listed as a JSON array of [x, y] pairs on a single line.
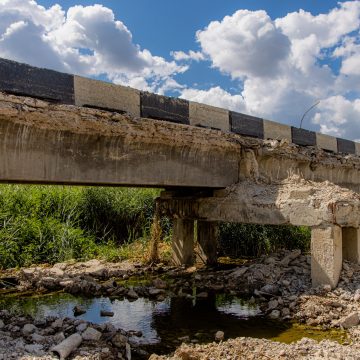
[[326, 255], [207, 236], [183, 242], [351, 244]]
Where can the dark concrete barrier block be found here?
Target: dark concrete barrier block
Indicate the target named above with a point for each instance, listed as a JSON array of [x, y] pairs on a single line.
[[164, 108], [303, 137], [345, 146], [246, 125], [27, 80]]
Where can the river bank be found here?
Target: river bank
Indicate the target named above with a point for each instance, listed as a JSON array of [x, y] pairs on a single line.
[[278, 285]]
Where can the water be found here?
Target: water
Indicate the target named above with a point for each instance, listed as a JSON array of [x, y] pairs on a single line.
[[163, 323]]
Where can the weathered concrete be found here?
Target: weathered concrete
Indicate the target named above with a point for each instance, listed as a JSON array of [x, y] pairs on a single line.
[[48, 143], [207, 237], [183, 242], [209, 116], [326, 142], [351, 244], [326, 255], [104, 95]]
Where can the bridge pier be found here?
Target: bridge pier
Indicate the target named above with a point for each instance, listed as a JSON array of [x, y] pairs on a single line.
[[207, 236], [183, 242], [326, 255]]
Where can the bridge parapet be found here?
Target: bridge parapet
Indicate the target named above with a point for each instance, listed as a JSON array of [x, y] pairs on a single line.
[[22, 79]]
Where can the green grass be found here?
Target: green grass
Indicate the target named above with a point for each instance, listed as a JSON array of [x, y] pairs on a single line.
[[48, 224]]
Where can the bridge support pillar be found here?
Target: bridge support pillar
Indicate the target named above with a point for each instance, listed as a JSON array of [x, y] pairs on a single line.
[[183, 242], [326, 255], [351, 244], [207, 236]]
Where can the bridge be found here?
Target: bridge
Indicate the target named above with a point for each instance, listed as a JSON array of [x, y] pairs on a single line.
[[214, 165]]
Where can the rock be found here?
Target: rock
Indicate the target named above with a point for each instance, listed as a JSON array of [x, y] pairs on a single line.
[[119, 340], [219, 336], [1, 324], [160, 284], [270, 261], [58, 323], [286, 283], [357, 295], [155, 291], [96, 271], [239, 272], [202, 295], [78, 310], [273, 304], [275, 314], [106, 313], [81, 327], [184, 338], [292, 256], [91, 334], [28, 329], [127, 351], [349, 321], [132, 294], [59, 337], [35, 349], [285, 312], [270, 289], [37, 338]]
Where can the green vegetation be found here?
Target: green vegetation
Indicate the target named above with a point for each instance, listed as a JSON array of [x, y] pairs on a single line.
[[48, 224], [239, 240]]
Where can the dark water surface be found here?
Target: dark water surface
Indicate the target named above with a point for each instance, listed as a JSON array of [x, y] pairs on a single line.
[[163, 323]]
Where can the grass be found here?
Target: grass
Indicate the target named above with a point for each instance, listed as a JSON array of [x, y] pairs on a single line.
[[49, 224]]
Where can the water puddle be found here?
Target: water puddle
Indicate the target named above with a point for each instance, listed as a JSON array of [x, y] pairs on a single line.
[[164, 323]]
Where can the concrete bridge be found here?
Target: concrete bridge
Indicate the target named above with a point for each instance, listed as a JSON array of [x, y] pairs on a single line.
[[215, 165]]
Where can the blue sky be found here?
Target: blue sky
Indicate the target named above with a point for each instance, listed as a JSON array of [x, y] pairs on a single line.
[[272, 59]]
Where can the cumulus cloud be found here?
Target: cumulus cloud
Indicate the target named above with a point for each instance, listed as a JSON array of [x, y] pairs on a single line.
[[217, 97], [86, 40], [191, 55], [245, 44], [283, 66]]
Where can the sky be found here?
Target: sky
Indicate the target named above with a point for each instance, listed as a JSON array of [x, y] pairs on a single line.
[[272, 59]]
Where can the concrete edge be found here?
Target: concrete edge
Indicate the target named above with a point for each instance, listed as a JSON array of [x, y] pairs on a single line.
[[22, 79]]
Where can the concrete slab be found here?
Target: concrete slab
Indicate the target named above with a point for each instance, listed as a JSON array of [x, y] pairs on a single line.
[[326, 142], [209, 116], [276, 131], [246, 125], [357, 148], [104, 95], [351, 244], [326, 255], [346, 146]]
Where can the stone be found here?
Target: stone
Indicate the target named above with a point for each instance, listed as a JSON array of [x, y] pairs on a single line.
[[292, 256], [202, 295], [239, 272], [285, 312], [78, 310], [273, 304], [270, 289], [2, 325], [91, 334], [28, 329], [349, 321], [59, 337], [81, 327], [58, 323], [132, 294], [219, 335], [127, 351], [119, 340], [37, 338], [159, 284], [36, 349], [275, 314]]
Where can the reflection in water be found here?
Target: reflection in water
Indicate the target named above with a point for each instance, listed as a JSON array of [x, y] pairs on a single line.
[[162, 323]]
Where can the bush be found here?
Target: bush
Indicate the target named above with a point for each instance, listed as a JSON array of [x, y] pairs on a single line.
[[242, 240]]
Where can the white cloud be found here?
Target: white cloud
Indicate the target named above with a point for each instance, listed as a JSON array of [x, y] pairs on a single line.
[[87, 40], [191, 55], [216, 97], [245, 44]]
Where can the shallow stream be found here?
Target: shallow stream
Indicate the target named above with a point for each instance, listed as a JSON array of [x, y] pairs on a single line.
[[164, 323]]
